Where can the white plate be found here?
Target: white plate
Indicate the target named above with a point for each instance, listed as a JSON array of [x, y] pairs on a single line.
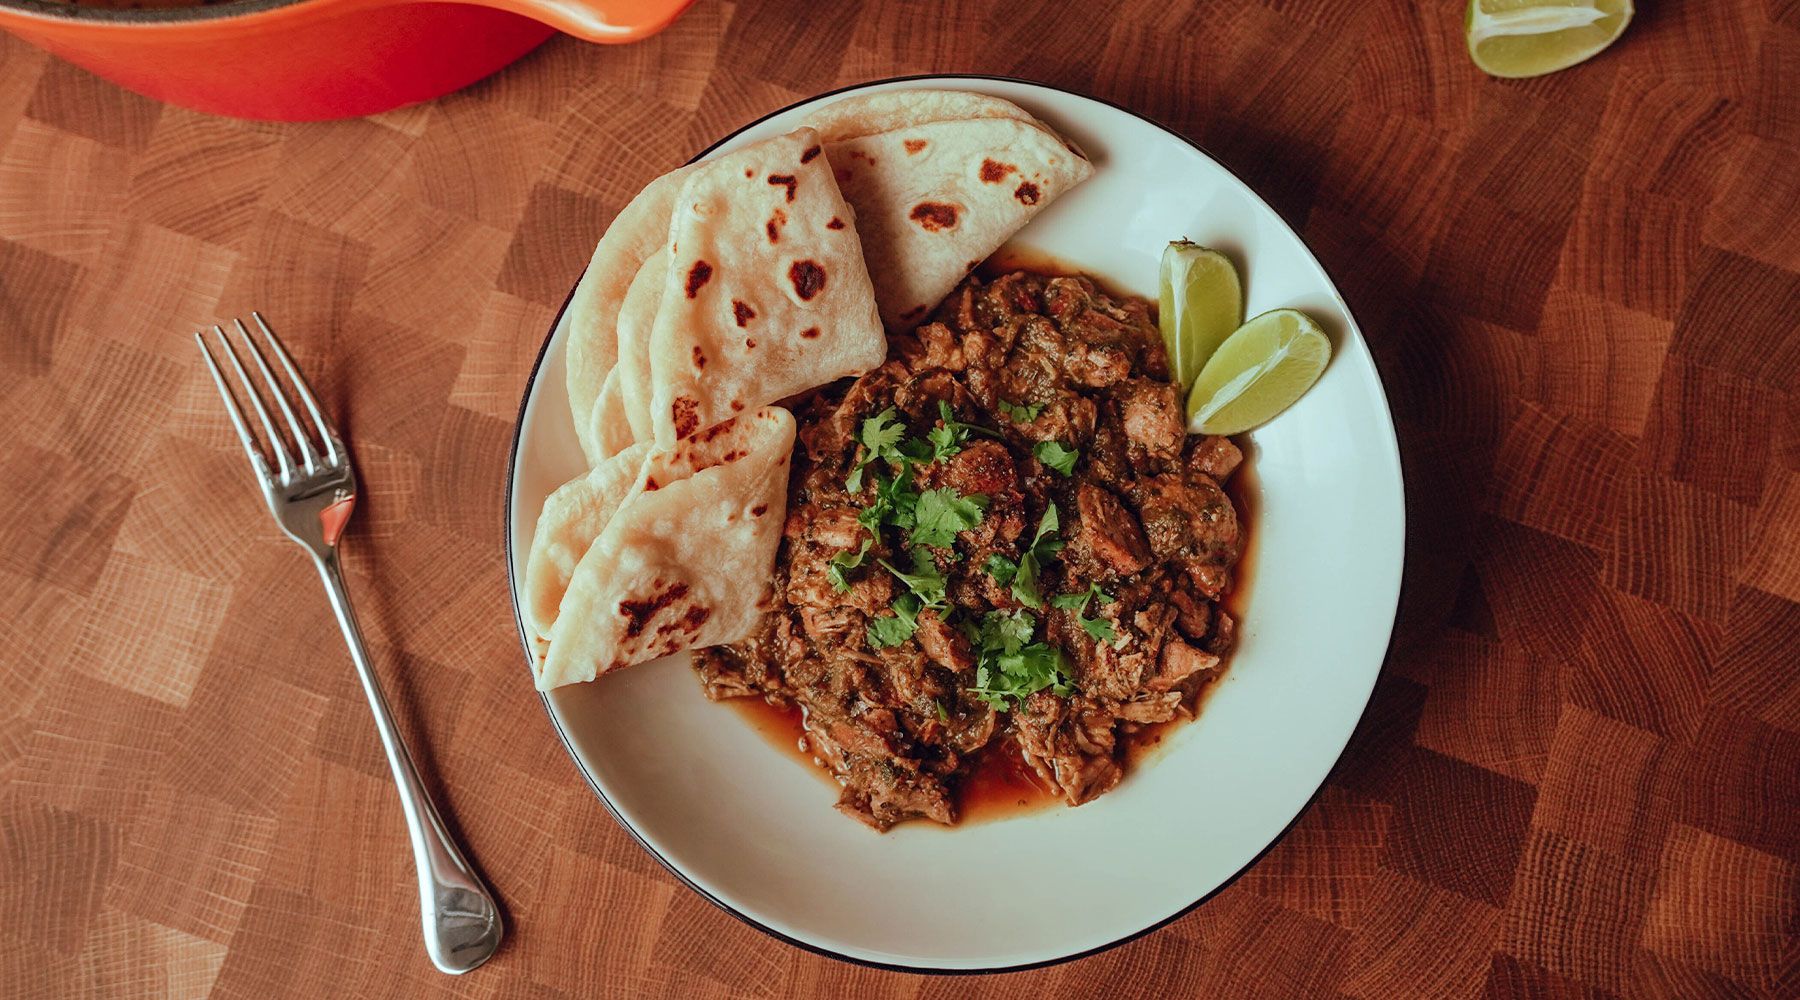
[[748, 826]]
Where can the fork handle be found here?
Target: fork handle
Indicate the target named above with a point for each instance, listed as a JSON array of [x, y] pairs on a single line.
[[461, 921]]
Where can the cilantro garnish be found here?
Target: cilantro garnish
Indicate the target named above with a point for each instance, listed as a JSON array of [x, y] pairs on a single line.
[[943, 716], [949, 436], [939, 514], [1023, 574], [1009, 666], [1054, 455], [944, 442], [899, 627], [1021, 414], [834, 569], [880, 436], [1101, 629], [925, 580]]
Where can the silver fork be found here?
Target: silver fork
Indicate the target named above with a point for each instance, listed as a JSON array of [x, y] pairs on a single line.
[[311, 498]]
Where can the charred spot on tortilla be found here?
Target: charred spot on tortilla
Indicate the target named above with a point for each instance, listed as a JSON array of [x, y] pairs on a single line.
[[914, 313], [741, 312], [810, 333], [696, 616], [714, 431], [934, 216], [736, 405], [857, 154], [835, 223], [786, 181], [699, 358], [698, 275], [993, 172], [807, 155], [749, 343], [638, 613], [759, 510], [685, 411], [651, 485], [808, 278], [915, 146], [1026, 192], [749, 172]]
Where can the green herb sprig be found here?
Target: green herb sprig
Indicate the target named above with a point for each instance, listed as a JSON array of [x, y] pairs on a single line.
[[1022, 576], [1099, 628], [1009, 665]]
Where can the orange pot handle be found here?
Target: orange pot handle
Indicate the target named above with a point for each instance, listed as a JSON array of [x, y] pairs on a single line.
[[606, 21]]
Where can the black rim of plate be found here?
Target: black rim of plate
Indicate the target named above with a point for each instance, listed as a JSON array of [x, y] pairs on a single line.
[[525, 637]]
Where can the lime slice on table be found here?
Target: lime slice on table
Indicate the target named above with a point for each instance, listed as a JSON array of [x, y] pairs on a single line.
[[1200, 304], [1515, 38], [1257, 372]]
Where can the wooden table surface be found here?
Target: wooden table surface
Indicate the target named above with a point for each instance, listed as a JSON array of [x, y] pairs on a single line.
[[1580, 774]]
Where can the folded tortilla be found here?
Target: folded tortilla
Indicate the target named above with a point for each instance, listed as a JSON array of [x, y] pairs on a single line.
[[887, 110], [639, 230], [684, 559], [572, 518], [637, 318], [766, 293], [939, 180]]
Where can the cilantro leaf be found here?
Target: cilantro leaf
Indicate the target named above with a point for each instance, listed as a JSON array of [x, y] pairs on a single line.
[[1009, 666], [925, 580], [951, 434], [944, 442], [943, 716], [1000, 568], [948, 436], [1022, 576], [1024, 582], [880, 437], [894, 503], [895, 499], [834, 569], [1006, 632], [914, 450], [882, 431], [1054, 455], [941, 513], [1099, 628], [1048, 525], [892, 630], [1021, 414]]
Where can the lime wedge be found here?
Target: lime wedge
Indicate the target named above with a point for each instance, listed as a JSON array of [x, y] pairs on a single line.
[[1257, 372], [1200, 304], [1515, 38]]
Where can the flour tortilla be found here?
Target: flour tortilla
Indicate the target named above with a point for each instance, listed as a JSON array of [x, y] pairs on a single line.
[[684, 560], [611, 426], [934, 196], [639, 230], [766, 293], [572, 518], [887, 110], [637, 318]]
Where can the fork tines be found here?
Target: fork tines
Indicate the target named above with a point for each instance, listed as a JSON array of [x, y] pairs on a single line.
[[325, 454]]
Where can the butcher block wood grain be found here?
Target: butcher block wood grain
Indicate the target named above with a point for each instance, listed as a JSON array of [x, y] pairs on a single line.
[[1579, 776]]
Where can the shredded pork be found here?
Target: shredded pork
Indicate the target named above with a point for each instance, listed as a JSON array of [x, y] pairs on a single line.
[[1030, 362]]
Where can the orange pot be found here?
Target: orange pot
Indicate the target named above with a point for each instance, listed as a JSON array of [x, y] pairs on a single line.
[[303, 60]]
